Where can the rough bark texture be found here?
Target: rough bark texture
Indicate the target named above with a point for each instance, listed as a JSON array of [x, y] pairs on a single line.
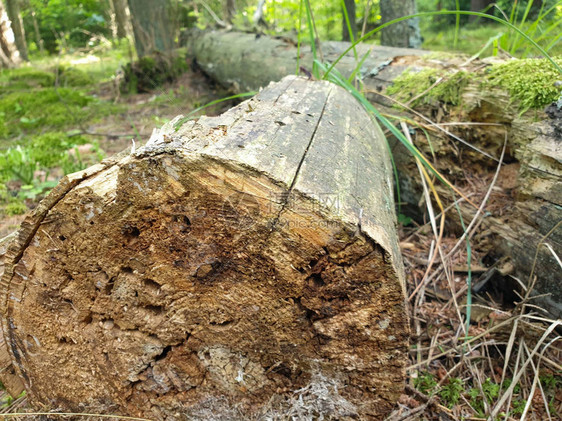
[[350, 9], [531, 201], [404, 34], [9, 54], [153, 26], [13, 10], [244, 266]]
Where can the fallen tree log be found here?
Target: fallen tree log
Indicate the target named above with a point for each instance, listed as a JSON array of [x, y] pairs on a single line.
[[526, 208], [244, 265]]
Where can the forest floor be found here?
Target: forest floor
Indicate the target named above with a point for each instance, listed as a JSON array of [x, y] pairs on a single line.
[[63, 114]]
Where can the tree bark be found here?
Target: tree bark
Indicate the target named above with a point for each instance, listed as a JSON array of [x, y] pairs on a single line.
[[38, 38], [14, 14], [532, 205], [350, 8], [243, 265], [122, 19], [9, 54], [404, 34], [478, 6], [229, 7], [153, 26]]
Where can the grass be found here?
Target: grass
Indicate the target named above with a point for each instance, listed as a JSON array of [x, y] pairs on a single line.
[[471, 39]]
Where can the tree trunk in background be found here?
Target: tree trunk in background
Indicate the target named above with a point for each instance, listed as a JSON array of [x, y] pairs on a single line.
[[258, 14], [350, 7], [153, 26], [405, 34], [229, 7], [38, 38], [9, 54], [478, 6], [122, 19], [232, 269], [13, 10]]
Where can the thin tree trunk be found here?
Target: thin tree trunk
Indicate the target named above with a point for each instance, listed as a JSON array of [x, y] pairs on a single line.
[[258, 14], [478, 6], [13, 10], [350, 8], [38, 38], [229, 10], [122, 18], [153, 26], [9, 54], [405, 34]]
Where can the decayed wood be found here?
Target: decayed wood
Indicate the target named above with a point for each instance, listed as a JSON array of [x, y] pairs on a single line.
[[244, 265], [532, 204]]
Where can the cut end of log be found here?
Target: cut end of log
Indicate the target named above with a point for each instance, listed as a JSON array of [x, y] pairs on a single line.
[[178, 284]]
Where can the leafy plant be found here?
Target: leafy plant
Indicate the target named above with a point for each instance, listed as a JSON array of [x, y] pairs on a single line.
[[17, 163], [451, 392], [490, 392], [425, 382]]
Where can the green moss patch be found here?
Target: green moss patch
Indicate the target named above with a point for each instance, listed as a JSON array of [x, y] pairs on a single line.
[[26, 112], [27, 78], [530, 81], [447, 87], [71, 76]]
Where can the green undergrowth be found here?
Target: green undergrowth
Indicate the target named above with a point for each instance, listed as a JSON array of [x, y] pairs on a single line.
[[148, 73], [32, 78], [531, 83], [26, 112], [27, 172], [479, 396]]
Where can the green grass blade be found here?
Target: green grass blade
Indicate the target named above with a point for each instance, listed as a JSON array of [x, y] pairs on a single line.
[[457, 25], [359, 66], [469, 267], [336, 78], [299, 38], [523, 20], [312, 39], [512, 15], [348, 24]]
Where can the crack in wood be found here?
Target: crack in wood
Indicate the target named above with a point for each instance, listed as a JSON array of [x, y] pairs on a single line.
[[287, 198]]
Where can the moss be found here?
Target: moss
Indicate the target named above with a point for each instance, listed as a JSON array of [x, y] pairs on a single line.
[[151, 72], [26, 112], [71, 76], [28, 78], [15, 208], [411, 84], [530, 81]]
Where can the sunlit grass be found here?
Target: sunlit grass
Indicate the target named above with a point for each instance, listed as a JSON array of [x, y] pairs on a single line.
[[471, 39]]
